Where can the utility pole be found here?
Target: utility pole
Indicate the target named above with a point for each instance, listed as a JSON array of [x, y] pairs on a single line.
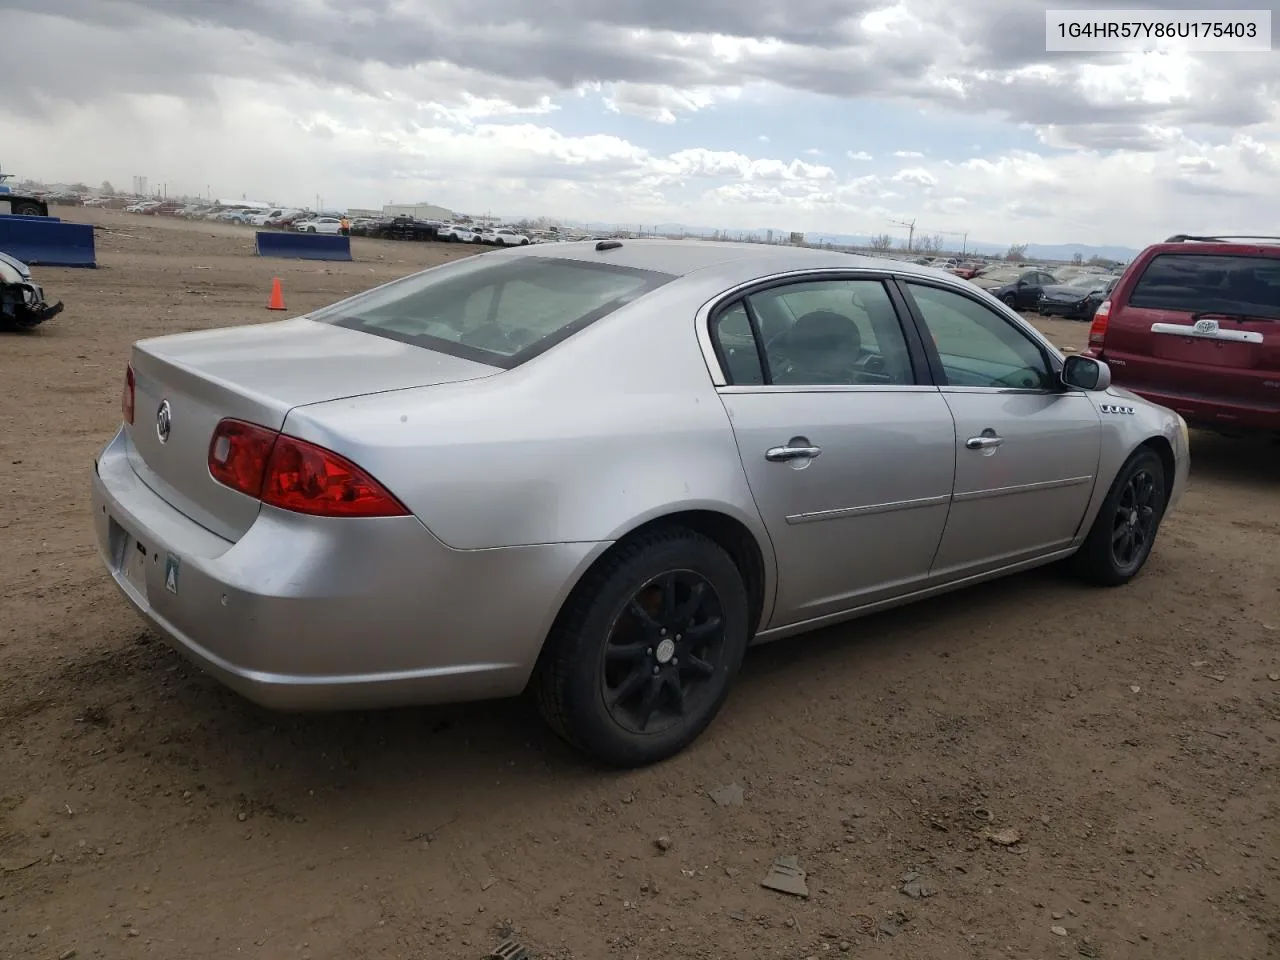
[[911, 232]]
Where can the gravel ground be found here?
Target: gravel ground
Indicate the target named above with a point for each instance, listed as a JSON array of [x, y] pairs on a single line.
[[1125, 738]]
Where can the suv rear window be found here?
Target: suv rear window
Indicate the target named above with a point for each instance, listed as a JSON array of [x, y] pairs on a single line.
[[1210, 284], [493, 309]]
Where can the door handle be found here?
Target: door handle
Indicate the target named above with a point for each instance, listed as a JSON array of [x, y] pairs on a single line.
[[792, 451], [983, 443]]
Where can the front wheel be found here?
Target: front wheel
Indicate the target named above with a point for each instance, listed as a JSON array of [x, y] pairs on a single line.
[[1124, 531], [642, 657], [28, 209]]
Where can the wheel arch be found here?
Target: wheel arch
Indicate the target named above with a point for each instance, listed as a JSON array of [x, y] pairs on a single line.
[[752, 558], [1164, 450]]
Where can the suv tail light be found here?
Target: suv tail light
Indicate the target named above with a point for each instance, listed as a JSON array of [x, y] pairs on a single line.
[[127, 394], [295, 475], [1098, 329]]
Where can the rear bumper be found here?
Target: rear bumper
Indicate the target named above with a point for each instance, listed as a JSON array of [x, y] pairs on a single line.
[[305, 613]]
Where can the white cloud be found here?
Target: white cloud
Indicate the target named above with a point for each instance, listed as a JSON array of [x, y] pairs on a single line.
[[916, 175], [472, 105]]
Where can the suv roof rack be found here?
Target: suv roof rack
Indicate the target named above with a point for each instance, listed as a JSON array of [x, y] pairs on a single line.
[[1183, 237]]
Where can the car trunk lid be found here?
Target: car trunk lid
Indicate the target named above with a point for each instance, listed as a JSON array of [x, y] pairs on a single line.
[[256, 373]]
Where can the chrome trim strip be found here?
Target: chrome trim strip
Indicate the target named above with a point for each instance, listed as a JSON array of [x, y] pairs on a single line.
[[1020, 488], [1232, 336], [864, 511], [827, 388], [1026, 391]]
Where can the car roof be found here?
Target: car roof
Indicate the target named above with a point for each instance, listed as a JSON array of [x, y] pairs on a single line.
[[1238, 246], [680, 258]]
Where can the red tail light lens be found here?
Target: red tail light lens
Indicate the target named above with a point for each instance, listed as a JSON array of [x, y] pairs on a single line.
[[295, 475], [127, 395], [1098, 329], [238, 455]]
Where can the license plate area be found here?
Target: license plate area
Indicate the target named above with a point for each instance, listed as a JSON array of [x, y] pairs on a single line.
[[130, 557]]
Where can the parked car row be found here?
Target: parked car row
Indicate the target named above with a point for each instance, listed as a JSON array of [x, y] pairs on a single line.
[[1072, 295]]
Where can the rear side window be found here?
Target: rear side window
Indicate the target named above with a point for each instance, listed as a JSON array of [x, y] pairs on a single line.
[[1210, 284], [500, 311]]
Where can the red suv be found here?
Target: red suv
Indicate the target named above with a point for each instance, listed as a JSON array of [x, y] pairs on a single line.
[[1194, 324]]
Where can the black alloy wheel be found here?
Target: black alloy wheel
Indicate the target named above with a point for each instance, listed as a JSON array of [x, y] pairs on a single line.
[[642, 655], [663, 649], [1125, 529], [1134, 520]]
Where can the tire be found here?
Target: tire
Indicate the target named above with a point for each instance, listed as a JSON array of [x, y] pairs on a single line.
[[1010, 301], [524, 243], [28, 209], [311, 229], [1098, 561], [575, 676]]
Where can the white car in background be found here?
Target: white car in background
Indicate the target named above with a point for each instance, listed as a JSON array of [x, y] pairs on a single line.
[[320, 225], [504, 237], [459, 232]]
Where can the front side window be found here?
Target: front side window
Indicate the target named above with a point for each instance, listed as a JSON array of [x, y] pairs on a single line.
[[977, 346], [500, 313]]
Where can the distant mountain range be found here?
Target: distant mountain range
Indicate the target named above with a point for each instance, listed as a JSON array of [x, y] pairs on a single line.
[[1037, 251]]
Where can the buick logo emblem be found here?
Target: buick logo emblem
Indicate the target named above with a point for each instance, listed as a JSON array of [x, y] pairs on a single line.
[[164, 421]]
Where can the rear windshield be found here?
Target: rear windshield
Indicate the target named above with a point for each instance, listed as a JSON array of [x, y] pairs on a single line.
[[494, 309], [1210, 284]]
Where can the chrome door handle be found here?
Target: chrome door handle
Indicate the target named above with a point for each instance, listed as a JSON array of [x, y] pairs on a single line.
[[983, 443], [787, 453]]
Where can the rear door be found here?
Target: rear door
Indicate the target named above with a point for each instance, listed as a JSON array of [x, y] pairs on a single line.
[[848, 448], [1200, 325]]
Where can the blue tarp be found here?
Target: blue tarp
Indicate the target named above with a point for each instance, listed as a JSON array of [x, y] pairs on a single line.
[[302, 246], [47, 241]]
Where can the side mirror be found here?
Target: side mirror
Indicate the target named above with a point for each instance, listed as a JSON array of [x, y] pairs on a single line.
[[1086, 373]]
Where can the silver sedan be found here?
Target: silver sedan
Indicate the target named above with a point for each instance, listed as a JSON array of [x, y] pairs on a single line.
[[601, 470]]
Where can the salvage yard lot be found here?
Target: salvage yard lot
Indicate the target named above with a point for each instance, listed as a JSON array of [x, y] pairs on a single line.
[[1128, 736]]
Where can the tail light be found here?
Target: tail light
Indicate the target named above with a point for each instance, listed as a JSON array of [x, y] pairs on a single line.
[[1098, 329], [295, 475], [127, 395]]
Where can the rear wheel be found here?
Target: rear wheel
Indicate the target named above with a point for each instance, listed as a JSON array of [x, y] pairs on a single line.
[[27, 209], [1010, 300], [642, 657], [1124, 531]]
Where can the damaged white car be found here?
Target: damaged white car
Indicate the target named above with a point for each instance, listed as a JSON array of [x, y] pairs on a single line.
[[22, 303]]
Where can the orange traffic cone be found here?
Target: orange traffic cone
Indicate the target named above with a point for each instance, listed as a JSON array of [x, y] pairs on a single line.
[[276, 301]]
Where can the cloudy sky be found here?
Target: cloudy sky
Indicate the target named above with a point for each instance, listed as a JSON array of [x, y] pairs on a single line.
[[814, 115]]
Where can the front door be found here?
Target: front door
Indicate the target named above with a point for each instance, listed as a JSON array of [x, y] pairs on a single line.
[[849, 458], [1027, 449]]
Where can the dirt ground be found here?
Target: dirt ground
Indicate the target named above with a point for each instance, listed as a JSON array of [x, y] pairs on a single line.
[[1129, 736]]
